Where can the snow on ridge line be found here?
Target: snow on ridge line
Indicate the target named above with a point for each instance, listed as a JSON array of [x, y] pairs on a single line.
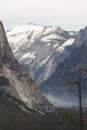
[[44, 61], [52, 36], [69, 42], [25, 28], [33, 27], [27, 55]]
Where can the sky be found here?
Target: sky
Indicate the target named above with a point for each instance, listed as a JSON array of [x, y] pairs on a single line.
[[67, 14]]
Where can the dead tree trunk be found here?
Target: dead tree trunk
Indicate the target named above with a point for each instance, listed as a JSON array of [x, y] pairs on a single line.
[[78, 83], [80, 104]]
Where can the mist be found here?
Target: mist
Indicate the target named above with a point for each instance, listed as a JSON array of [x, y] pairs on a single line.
[[60, 102], [65, 102]]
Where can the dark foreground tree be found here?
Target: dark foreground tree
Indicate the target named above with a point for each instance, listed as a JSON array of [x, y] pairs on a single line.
[[79, 72]]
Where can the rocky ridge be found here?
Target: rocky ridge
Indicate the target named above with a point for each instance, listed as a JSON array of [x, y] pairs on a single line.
[[40, 48], [57, 84], [15, 83]]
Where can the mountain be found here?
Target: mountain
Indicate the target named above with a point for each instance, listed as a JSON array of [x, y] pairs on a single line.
[[57, 86], [39, 49], [81, 37], [14, 85]]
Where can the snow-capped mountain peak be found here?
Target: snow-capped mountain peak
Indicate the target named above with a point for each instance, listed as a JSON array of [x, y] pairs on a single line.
[[41, 47]]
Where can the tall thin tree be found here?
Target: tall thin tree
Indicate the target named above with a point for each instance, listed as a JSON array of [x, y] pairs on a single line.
[[80, 71]]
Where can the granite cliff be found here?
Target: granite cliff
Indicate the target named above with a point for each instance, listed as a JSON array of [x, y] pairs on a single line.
[[15, 83]]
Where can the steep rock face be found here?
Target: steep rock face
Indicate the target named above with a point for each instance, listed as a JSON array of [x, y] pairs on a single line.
[[57, 84], [6, 54], [41, 47], [15, 83], [81, 37]]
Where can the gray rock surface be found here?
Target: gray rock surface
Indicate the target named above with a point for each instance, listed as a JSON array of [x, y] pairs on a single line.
[[41, 47], [18, 85]]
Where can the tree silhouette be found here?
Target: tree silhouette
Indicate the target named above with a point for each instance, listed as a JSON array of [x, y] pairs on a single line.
[[79, 72]]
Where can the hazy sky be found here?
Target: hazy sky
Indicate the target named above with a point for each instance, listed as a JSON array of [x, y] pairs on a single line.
[[68, 14]]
